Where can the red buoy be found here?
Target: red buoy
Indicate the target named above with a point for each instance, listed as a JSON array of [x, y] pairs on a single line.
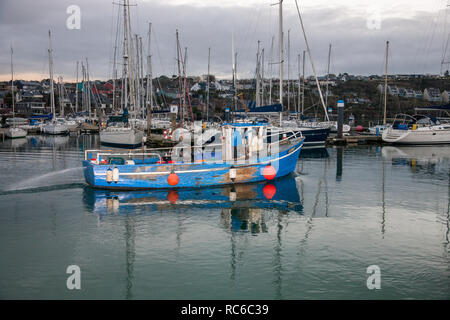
[[173, 196], [269, 191], [269, 172], [359, 128], [173, 179]]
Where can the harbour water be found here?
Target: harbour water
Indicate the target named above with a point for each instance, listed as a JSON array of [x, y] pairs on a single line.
[[311, 235]]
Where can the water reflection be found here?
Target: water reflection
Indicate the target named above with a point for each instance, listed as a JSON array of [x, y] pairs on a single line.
[[241, 204], [314, 153], [422, 160], [14, 143]]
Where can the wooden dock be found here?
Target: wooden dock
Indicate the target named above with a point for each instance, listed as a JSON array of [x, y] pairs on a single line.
[[355, 139]]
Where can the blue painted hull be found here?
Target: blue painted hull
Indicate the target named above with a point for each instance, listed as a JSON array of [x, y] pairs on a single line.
[[202, 174]]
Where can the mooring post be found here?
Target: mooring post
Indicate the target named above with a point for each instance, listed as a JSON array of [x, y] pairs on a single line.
[[340, 110]]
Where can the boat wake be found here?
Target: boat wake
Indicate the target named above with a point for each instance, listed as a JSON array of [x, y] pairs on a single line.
[[60, 178]]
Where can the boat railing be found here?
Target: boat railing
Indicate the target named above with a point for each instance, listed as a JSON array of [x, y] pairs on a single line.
[[110, 153], [98, 154]]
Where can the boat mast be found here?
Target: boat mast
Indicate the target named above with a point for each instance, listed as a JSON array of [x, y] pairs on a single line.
[[76, 92], [88, 92], [136, 70], [185, 84], [312, 63], [141, 79], [12, 86], [149, 82], [125, 58], [385, 83], [233, 70], [207, 85], [281, 54], [299, 88], [83, 89], [303, 82], [128, 43], [270, 71], [257, 91], [262, 76], [50, 66], [289, 70], [179, 78], [328, 76]]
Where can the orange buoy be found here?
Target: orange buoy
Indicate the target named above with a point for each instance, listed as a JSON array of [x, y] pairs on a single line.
[[173, 179], [269, 172], [173, 196], [269, 191]]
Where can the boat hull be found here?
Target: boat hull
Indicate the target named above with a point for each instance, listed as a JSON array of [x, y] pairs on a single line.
[[55, 129], [315, 136], [122, 139], [202, 174], [15, 133], [424, 136]]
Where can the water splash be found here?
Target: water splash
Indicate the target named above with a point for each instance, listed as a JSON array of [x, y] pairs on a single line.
[[50, 179]]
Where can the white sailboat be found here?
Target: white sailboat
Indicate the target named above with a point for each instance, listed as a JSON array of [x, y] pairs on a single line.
[[14, 132], [419, 129], [125, 134], [53, 127]]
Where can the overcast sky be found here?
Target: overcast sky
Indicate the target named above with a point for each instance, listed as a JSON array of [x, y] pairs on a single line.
[[357, 30]]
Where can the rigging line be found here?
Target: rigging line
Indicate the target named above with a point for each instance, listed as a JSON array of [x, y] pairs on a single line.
[[432, 21], [430, 42], [420, 47], [110, 42]]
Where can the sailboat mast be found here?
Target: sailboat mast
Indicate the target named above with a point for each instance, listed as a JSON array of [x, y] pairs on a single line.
[[149, 82], [262, 76], [88, 90], [50, 66], [180, 84], [130, 65], [257, 88], [328, 76], [385, 83], [141, 79], [12, 86], [303, 81], [270, 71], [207, 85], [299, 87], [281, 51], [289, 70], [76, 92], [312, 62], [125, 57]]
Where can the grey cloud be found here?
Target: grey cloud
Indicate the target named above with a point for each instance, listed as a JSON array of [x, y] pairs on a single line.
[[416, 44]]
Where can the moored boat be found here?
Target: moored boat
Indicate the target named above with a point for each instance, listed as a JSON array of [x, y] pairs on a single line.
[[246, 154], [15, 133], [418, 129]]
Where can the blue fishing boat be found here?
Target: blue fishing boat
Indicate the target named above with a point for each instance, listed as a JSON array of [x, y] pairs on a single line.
[[247, 152]]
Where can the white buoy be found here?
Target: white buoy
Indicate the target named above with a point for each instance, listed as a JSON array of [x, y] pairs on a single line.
[[115, 174], [109, 175], [232, 174]]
